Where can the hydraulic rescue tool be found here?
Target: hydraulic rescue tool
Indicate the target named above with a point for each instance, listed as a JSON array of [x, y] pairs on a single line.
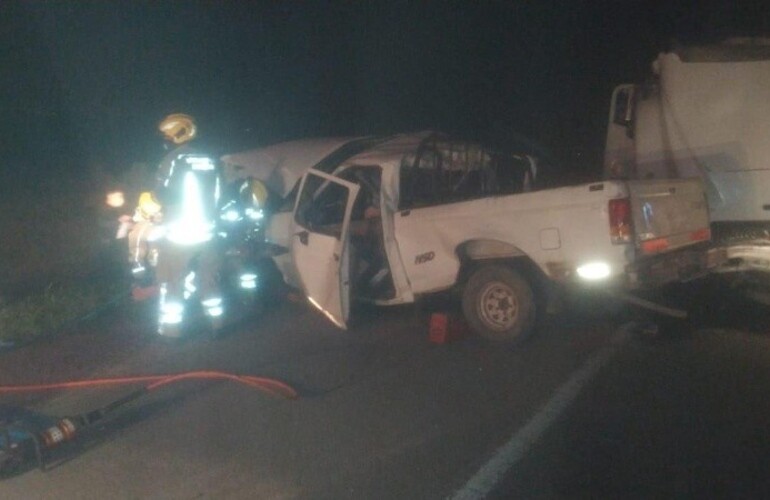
[[28, 437]]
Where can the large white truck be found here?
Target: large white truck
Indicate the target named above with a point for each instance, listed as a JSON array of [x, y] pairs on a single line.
[[390, 219], [705, 112]]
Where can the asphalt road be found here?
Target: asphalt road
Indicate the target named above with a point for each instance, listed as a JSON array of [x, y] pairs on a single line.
[[682, 416], [587, 408]]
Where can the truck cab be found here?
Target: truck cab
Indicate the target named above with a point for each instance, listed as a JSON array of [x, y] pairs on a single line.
[[705, 112]]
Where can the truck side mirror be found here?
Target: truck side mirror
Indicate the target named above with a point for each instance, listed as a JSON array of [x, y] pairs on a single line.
[[623, 107]]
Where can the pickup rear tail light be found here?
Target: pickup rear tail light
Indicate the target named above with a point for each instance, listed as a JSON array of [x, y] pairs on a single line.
[[621, 226]]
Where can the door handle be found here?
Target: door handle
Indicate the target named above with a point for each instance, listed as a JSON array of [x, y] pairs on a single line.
[[303, 237]]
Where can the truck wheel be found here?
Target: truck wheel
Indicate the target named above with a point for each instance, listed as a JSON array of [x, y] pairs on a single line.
[[499, 305]]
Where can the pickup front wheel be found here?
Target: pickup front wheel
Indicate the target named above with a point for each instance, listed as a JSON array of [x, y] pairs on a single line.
[[499, 304]]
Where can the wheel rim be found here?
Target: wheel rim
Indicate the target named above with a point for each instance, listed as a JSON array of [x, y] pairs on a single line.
[[498, 306]]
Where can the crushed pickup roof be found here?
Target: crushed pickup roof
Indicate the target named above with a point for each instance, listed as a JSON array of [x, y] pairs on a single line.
[[280, 166]]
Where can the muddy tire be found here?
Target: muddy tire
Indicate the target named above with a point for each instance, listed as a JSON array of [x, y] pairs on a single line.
[[499, 305]]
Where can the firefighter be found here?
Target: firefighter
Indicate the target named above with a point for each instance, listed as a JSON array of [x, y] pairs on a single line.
[[146, 216], [242, 228], [188, 188]]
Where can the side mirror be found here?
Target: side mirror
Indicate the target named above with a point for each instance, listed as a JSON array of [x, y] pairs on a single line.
[[623, 106]]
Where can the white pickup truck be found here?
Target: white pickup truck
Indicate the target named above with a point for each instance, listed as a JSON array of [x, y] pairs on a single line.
[[388, 219]]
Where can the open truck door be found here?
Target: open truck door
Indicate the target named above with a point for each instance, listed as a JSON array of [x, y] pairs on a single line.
[[320, 244]]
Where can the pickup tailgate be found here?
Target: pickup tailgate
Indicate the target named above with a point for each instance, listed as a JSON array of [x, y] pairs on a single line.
[[668, 214]]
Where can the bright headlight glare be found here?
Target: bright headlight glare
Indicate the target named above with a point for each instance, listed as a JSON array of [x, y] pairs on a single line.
[[115, 199], [594, 271]]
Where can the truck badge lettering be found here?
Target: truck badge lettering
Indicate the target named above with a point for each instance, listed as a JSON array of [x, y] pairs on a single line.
[[424, 257]]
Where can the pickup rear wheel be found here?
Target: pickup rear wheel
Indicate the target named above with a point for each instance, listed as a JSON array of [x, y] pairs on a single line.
[[499, 305]]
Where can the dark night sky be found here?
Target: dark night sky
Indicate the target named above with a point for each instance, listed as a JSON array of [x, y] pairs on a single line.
[[85, 83]]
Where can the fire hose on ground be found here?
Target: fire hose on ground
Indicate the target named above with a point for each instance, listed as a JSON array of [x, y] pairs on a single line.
[[27, 436]]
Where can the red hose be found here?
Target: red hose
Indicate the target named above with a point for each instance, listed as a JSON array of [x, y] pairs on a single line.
[[269, 385]]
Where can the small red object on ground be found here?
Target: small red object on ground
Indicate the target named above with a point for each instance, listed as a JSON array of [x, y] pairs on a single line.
[[445, 328]]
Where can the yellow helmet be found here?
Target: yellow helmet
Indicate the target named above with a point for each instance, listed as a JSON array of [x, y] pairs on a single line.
[[178, 128], [148, 205], [259, 192]]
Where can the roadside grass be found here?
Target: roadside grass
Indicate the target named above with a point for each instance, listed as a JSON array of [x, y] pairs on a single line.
[[51, 232], [50, 311], [57, 259]]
